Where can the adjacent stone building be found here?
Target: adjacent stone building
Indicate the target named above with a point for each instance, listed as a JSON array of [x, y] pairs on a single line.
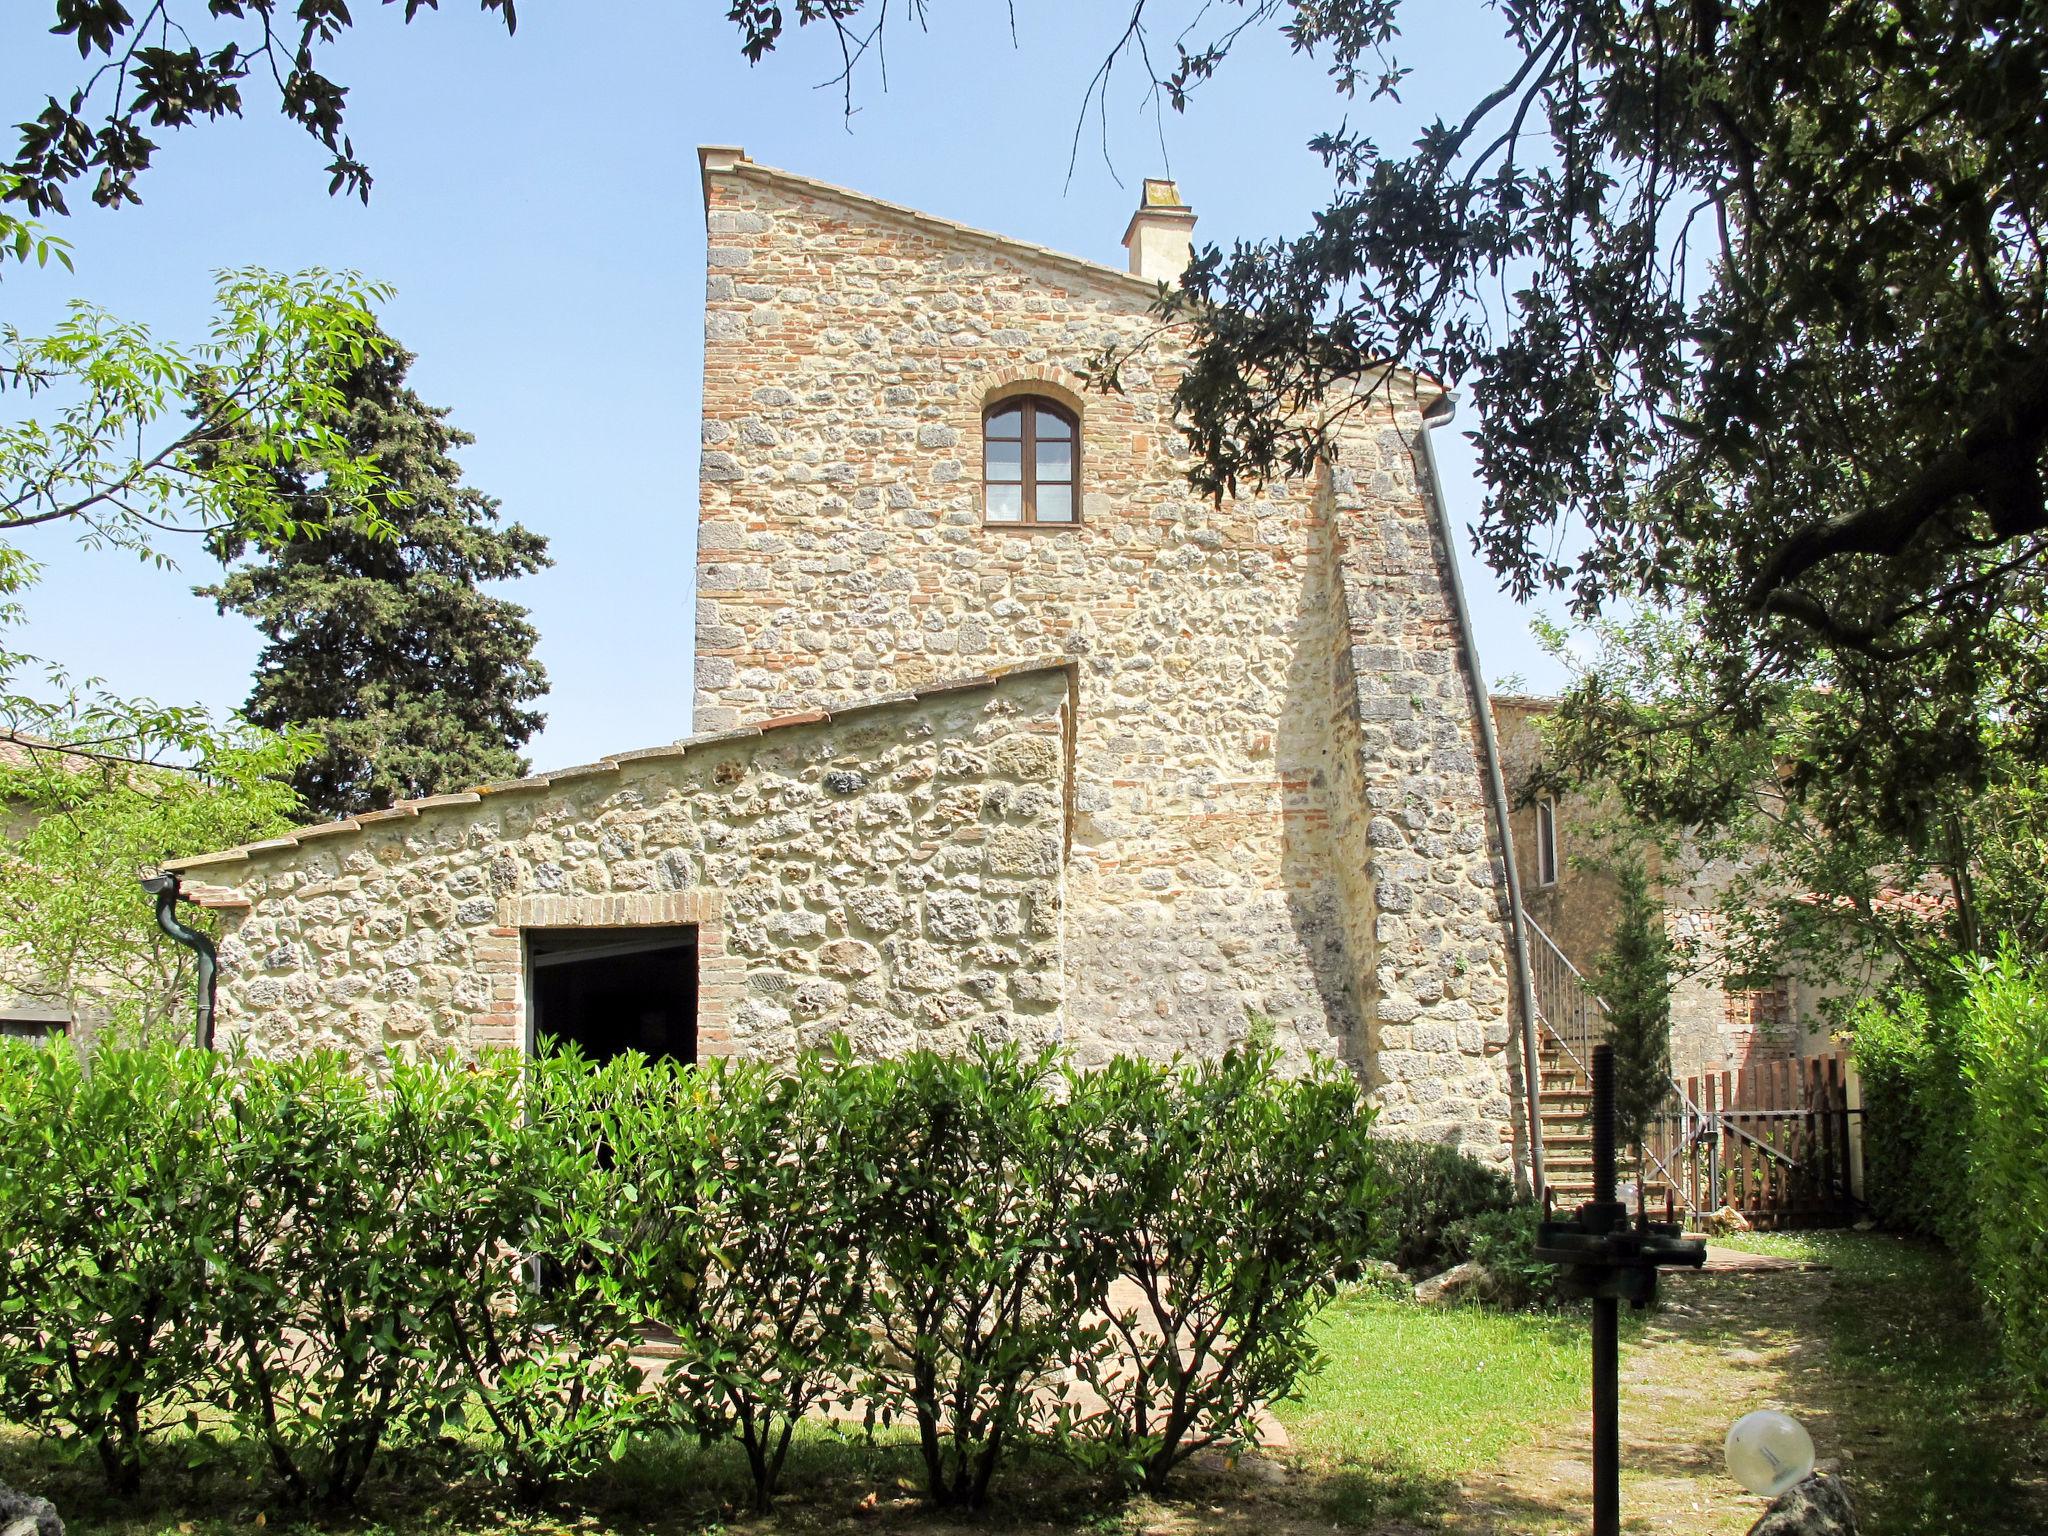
[[1008, 733], [1567, 848]]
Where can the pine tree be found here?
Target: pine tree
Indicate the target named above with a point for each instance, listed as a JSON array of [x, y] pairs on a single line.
[[1633, 979], [414, 680]]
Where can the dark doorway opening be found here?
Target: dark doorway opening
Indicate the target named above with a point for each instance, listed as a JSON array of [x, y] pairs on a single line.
[[613, 990]]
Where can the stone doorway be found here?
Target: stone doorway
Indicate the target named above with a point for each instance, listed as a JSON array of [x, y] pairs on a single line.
[[612, 990]]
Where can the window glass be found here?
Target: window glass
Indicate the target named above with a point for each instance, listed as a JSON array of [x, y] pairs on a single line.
[[1030, 463], [1004, 461]]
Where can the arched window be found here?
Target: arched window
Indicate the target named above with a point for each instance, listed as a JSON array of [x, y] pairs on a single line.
[[1030, 462]]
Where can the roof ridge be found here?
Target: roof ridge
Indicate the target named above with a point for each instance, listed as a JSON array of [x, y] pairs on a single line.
[[730, 160]]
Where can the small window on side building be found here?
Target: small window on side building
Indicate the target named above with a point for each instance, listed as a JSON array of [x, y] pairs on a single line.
[[1030, 463], [1546, 842]]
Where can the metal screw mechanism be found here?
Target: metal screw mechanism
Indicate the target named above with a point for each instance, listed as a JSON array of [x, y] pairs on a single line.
[[1604, 1256]]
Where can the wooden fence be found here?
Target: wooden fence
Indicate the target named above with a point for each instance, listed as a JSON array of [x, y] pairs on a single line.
[[1772, 1141]]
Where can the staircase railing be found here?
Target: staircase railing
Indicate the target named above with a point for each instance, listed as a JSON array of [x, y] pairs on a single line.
[[1572, 1014]]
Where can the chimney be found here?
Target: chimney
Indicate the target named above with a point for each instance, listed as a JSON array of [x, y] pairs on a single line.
[[1161, 236]]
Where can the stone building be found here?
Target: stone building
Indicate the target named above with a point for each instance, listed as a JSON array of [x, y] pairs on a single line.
[[1566, 847], [1006, 733], [35, 1005]]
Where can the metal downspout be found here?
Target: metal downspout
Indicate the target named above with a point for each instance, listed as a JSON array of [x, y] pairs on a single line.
[[164, 888], [1441, 412]]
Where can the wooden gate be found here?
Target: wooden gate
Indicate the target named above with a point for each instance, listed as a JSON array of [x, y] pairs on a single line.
[[1772, 1141]]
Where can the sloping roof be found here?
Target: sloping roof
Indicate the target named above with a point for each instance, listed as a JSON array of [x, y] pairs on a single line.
[[731, 160], [18, 750], [724, 159], [612, 764], [1928, 904]]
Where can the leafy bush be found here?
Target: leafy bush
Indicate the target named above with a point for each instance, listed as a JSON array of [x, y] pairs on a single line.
[[1234, 1202], [979, 1274], [1955, 1094], [526, 1296], [757, 1222], [320, 1300], [1428, 1189], [468, 1251], [1916, 1102], [1502, 1242], [111, 1206], [2006, 1066]]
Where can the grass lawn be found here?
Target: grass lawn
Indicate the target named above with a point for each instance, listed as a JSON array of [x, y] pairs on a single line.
[[1927, 1425], [1462, 1421], [1414, 1397]]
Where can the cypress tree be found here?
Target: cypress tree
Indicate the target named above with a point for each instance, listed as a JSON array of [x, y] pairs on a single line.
[[414, 679], [1633, 978]]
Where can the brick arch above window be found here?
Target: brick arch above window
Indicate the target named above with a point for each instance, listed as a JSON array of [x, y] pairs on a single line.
[[1055, 384], [1030, 462]]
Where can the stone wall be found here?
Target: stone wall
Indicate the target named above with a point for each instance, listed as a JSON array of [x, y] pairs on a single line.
[[1222, 867], [1442, 1013], [893, 871], [1578, 910]]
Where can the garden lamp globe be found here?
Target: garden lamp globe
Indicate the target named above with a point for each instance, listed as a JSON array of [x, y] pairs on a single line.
[[1769, 1451]]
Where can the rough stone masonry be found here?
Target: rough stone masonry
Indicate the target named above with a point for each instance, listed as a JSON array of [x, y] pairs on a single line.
[[1271, 804]]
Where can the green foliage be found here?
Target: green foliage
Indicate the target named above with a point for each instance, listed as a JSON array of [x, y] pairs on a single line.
[[756, 1228], [1915, 1105], [1632, 977], [180, 62], [319, 1304], [535, 1380], [111, 1218], [269, 379], [1829, 877], [1236, 1201], [464, 1254], [382, 641], [24, 240], [1955, 1092], [138, 781], [1503, 1242], [979, 1273], [102, 791], [2006, 1065], [1428, 1189]]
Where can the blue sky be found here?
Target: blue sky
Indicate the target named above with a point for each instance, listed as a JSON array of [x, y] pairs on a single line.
[[537, 208]]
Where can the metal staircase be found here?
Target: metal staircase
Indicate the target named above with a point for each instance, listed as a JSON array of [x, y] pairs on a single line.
[[1572, 1020], [1571, 1023]]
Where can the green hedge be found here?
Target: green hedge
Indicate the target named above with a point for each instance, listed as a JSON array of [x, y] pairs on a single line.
[[1916, 1105], [463, 1255], [1955, 1125], [2006, 1065]]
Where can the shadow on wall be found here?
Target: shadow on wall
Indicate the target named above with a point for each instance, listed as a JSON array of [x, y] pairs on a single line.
[[1329, 892]]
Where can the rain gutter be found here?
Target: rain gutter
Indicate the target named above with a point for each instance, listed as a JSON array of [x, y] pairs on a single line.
[[1438, 414]]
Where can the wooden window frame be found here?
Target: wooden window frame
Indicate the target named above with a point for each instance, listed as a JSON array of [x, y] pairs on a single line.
[[1027, 441]]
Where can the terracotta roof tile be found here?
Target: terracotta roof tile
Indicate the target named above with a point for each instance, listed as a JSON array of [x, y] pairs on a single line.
[[612, 763]]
